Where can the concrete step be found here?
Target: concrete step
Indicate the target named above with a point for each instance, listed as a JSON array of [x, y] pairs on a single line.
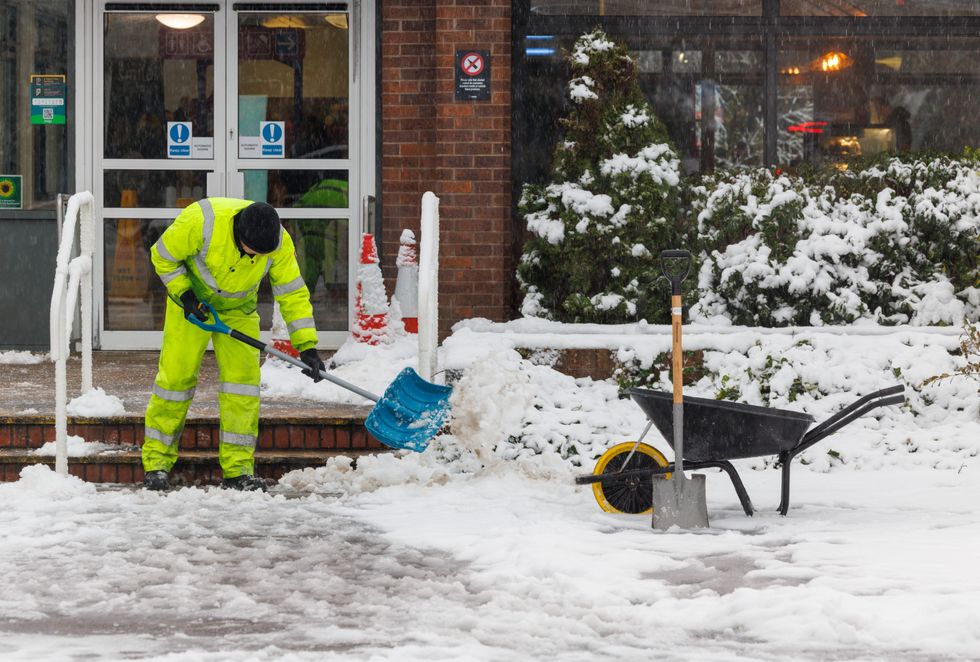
[[195, 467]]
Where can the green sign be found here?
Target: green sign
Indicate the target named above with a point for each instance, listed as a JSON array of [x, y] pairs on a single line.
[[48, 97], [11, 192]]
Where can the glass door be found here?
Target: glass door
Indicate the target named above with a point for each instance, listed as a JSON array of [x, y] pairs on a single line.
[[236, 100], [288, 144], [157, 112]]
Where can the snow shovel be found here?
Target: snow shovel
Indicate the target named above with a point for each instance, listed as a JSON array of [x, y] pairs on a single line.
[[407, 416], [678, 501]]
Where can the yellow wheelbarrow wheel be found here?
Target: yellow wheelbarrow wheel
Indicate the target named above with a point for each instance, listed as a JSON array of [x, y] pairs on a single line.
[[632, 495]]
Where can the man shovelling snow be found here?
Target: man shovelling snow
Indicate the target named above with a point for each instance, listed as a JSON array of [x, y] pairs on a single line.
[[218, 250]]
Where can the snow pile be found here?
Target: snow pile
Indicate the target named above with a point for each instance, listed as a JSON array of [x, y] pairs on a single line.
[[38, 480], [77, 447], [21, 358], [96, 403]]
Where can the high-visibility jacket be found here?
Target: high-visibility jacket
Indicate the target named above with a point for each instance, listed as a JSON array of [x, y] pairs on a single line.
[[198, 251]]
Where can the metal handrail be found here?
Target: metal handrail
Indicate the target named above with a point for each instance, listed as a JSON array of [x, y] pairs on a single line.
[[71, 278]]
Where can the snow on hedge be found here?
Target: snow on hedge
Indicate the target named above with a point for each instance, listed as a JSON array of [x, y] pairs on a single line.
[[895, 245]]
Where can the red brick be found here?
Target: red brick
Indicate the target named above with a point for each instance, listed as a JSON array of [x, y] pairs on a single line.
[[127, 434], [126, 473], [343, 438], [110, 473], [49, 433], [359, 438], [188, 437], [266, 437], [112, 434], [281, 436], [328, 436], [6, 435], [93, 473]]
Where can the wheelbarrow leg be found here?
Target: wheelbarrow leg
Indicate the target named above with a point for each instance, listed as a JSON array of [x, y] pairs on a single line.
[[728, 468], [785, 459]]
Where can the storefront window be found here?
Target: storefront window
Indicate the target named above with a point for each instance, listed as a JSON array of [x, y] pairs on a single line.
[[862, 8], [845, 97], [707, 91], [36, 53], [648, 7]]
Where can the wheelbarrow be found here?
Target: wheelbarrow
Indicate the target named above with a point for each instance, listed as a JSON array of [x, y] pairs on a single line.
[[715, 432]]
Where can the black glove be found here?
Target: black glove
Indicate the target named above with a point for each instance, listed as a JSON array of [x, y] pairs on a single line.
[[192, 306], [312, 359]]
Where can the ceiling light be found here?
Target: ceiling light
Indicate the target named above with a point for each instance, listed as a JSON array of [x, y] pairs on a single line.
[[832, 61], [285, 22], [180, 21], [337, 20]]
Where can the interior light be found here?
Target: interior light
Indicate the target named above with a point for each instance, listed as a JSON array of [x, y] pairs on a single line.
[[832, 61], [180, 21], [894, 62], [284, 22], [337, 20]]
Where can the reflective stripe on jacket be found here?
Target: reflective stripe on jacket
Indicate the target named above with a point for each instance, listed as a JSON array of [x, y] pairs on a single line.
[[198, 251]]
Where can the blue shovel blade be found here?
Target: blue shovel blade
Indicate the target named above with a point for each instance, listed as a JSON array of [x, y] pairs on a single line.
[[410, 413]]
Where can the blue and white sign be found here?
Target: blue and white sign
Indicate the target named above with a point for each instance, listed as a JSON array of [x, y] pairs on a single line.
[[272, 139], [180, 137]]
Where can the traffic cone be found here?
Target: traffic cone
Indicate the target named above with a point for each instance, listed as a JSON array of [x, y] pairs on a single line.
[[280, 334], [407, 283], [371, 305]]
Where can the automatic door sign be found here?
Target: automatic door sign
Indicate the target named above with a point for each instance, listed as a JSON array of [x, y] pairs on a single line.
[[179, 140], [472, 75], [48, 94], [272, 139]]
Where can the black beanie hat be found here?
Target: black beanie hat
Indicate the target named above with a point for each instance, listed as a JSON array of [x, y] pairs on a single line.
[[258, 227]]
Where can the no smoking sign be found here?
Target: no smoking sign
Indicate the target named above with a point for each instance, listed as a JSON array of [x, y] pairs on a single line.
[[472, 75]]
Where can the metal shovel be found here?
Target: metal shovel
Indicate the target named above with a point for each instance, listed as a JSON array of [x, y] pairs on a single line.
[[678, 501], [409, 414]]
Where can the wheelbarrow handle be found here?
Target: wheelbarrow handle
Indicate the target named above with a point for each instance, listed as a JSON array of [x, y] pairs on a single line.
[[675, 275]]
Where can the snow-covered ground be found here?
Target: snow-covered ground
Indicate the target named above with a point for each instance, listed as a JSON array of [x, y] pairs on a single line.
[[482, 550]]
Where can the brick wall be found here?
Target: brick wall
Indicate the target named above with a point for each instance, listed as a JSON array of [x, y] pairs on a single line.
[[458, 150]]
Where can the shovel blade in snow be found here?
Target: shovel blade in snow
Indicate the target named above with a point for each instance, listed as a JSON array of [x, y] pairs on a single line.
[[680, 502], [410, 413]]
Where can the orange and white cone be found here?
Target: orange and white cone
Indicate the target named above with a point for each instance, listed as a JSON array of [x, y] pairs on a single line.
[[371, 304], [407, 283], [280, 334]]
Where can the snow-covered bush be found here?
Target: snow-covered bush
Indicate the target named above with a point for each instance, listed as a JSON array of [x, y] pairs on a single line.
[[598, 226], [895, 243]]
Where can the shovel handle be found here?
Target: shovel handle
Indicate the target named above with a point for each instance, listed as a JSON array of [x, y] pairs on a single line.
[[217, 326]]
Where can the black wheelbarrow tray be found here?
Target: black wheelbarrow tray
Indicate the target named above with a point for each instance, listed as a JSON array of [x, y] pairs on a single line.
[[717, 431]]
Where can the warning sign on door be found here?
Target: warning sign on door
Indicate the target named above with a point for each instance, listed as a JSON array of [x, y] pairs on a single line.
[[472, 75]]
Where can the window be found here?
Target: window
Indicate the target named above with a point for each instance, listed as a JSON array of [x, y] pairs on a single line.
[[863, 8], [845, 96], [35, 148]]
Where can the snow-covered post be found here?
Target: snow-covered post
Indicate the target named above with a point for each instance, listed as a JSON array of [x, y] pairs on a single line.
[[429, 287], [69, 277], [407, 283]]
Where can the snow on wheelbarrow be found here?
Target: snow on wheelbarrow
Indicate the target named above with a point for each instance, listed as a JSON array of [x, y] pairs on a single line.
[[716, 432], [409, 414]]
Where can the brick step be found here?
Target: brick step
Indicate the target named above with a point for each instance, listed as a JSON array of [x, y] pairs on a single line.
[[341, 434], [193, 468]]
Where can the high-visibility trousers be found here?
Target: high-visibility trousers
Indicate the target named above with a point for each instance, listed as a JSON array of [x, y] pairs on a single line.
[[238, 391]]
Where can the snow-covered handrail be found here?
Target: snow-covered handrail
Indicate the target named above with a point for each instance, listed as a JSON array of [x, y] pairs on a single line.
[[70, 278], [428, 310]]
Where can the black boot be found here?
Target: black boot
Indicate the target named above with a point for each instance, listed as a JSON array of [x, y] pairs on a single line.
[[245, 482], [156, 480]]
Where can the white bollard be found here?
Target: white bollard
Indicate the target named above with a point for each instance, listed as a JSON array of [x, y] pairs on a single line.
[[429, 288]]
